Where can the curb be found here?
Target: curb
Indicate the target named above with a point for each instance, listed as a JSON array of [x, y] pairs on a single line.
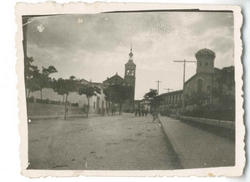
[[182, 160]]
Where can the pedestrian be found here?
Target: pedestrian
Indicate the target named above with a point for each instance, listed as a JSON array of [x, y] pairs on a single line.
[[146, 112], [142, 112], [155, 115], [136, 112]]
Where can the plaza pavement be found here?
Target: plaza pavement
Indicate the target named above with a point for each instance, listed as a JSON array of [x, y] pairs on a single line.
[[116, 142], [197, 148]]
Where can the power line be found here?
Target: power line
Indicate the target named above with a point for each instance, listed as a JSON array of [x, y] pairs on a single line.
[[184, 70]]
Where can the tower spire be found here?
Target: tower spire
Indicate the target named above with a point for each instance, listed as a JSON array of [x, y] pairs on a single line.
[[131, 54]]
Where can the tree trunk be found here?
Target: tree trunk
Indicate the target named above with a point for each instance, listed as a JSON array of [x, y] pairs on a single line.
[[120, 111], [28, 93], [106, 107], [65, 107], [109, 108], [41, 94], [87, 114]]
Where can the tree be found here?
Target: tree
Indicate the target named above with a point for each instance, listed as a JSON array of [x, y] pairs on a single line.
[[89, 90], [29, 72], [28, 67], [44, 79], [152, 97], [225, 78], [37, 80], [118, 94], [108, 93], [65, 87]]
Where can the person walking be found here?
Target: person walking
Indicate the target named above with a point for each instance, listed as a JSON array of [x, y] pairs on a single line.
[[136, 112], [155, 115]]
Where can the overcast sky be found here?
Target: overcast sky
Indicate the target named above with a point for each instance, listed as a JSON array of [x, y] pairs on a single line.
[[97, 46]]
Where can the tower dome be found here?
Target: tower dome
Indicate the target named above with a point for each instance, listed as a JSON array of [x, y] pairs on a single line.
[[204, 53], [205, 61]]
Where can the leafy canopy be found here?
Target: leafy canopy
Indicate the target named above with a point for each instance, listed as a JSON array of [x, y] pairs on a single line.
[[65, 86], [89, 90], [118, 93]]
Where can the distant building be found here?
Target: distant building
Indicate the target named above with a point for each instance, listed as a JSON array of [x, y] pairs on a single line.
[[200, 90], [170, 100], [74, 99]]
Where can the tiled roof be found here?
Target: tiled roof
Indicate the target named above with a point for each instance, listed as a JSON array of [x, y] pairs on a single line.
[[115, 79]]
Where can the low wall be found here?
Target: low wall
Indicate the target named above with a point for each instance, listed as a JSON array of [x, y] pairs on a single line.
[[219, 123], [40, 110]]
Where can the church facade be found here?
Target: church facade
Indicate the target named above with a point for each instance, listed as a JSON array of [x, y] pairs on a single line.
[[129, 80]]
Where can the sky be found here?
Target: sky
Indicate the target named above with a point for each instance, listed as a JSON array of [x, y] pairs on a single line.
[[96, 46]]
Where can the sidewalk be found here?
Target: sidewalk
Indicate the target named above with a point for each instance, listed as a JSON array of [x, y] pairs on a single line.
[[197, 148]]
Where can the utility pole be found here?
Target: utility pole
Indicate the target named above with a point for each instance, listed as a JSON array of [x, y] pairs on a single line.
[[158, 86], [184, 70], [168, 89]]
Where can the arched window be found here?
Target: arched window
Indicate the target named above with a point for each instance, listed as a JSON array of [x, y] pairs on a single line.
[[199, 85], [127, 71], [132, 72]]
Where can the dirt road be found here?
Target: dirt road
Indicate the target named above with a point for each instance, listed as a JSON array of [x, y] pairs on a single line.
[[100, 143]]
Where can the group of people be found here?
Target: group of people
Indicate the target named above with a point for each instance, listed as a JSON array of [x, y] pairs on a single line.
[[112, 109], [144, 112], [141, 112]]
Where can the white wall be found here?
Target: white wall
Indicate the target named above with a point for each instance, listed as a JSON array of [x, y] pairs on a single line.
[[73, 97]]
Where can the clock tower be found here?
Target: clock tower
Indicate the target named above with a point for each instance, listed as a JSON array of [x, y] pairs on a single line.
[[130, 71]]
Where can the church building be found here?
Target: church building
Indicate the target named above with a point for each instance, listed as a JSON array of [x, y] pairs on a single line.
[[129, 79], [200, 89], [203, 89]]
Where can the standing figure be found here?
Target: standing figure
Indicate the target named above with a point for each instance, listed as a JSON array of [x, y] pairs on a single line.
[[155, 115], [146, 112], [142, 112]]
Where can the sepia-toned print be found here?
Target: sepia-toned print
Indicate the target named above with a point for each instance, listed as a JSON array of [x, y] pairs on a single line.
[[130, 92]]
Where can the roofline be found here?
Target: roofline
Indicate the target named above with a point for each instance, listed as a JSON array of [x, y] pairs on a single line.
[[170, 93], [118, 76], [191, 78]]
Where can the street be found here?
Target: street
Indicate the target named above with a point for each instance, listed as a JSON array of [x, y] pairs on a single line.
[[116, 142]]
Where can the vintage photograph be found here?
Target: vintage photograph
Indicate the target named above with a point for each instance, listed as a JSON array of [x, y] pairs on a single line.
[[133, 90]]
